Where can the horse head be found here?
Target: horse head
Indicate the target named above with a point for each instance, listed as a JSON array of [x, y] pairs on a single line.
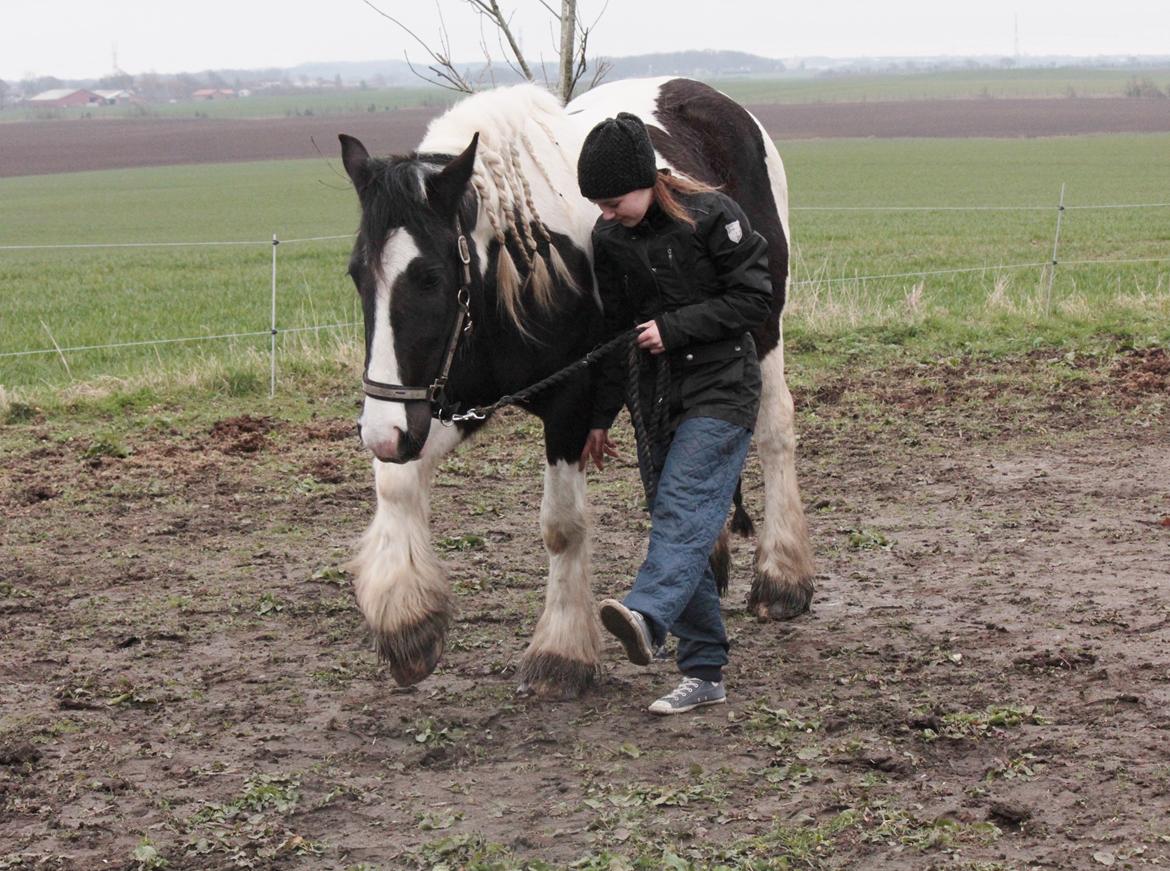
[[407, 268]]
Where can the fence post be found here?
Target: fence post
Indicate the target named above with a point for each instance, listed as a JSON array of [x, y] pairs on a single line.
[[1055, 245], [272, 336]]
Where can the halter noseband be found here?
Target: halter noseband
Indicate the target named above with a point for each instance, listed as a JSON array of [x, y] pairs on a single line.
[[463, 324]]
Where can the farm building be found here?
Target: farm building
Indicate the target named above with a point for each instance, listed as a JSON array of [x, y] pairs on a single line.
[[115, 97], [214, 94], [63, 97]]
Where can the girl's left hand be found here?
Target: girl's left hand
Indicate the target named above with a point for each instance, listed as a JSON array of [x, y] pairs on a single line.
[[649, 339]]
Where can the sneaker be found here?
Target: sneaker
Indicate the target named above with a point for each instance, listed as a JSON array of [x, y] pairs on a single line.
[[688, 695], [629, 627]]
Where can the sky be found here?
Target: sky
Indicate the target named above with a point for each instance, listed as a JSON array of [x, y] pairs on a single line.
[[75, 39]]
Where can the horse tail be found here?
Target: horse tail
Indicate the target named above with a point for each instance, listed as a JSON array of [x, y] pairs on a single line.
[[741, 524], [720, 562]]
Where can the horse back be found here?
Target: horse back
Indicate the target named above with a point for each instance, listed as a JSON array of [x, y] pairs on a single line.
[[706, 135]]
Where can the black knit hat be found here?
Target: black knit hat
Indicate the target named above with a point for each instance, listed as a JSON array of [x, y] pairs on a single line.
[[617, 158]]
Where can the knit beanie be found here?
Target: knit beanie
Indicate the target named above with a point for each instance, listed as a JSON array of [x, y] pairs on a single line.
[[617, 158]]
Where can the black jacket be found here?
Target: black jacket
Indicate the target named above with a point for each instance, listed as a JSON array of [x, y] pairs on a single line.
[[706, 287]]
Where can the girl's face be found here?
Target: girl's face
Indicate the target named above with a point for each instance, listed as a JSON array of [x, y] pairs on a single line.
[[628, 209]]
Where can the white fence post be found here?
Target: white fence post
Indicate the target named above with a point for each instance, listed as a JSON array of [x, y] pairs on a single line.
[[1055, 245], [272, 337]]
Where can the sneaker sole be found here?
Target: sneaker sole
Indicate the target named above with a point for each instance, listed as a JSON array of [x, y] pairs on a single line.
[[666, 713], [613, 618]]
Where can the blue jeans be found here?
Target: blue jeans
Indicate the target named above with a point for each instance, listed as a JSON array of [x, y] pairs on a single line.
[[675, 587]]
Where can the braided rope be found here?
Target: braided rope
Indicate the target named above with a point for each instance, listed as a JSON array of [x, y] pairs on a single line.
[[563, 374], [649, 437]]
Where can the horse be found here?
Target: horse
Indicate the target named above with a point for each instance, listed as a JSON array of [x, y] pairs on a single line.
[[472, 261]]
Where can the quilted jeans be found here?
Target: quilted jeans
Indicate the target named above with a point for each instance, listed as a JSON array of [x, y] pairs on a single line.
[[675, 588]]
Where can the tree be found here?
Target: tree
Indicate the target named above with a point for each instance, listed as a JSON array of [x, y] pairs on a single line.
[[573, 61], [4, 88]]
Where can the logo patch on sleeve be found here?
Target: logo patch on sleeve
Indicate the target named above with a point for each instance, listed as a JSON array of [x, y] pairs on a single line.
[[734, 231]]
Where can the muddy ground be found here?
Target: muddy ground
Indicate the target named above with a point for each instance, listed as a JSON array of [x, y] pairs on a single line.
[[41, 147], [185, 681]]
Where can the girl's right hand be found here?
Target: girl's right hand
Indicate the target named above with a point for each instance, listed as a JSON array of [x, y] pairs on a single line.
[[598, 446]]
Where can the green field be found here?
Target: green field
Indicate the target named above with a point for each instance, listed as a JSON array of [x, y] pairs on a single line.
[[944, 85], [341, 102], [796, 87], [76, 297]]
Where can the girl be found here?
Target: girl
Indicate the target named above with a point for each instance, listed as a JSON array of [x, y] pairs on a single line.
[[678, 260]]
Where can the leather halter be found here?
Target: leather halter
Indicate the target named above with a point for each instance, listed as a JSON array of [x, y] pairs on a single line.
[[463, 324]]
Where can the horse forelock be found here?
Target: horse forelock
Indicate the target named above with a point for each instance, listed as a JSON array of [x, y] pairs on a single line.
[[394, 197]]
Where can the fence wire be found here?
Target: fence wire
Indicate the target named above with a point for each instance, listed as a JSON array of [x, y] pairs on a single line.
[[274, 241]]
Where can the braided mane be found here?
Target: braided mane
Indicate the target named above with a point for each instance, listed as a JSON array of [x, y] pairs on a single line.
[[508, 120]]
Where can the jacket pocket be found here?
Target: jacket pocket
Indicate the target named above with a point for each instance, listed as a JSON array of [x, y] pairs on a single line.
[[711, 373]]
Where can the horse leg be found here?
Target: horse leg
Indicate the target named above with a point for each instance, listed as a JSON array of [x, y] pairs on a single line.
[[400, 585], [565, 652], [783, 585]]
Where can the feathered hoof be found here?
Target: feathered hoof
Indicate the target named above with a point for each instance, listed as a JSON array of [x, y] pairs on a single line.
[[774, 598], [413, 651], [552, 677]]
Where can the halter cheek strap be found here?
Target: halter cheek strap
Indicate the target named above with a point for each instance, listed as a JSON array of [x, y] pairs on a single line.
[[463, 324]]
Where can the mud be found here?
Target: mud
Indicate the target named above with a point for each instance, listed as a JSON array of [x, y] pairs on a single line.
[[43, 147], [982, 683]]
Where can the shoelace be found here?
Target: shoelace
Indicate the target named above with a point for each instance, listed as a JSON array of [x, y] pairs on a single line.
[[688, 684]]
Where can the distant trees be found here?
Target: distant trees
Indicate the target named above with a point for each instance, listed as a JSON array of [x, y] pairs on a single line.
[[118, 82], [4, 89], [37, 84], [1143, 87]]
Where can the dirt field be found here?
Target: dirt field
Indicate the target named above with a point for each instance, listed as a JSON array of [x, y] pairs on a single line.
[[43, 147], [982, 684]]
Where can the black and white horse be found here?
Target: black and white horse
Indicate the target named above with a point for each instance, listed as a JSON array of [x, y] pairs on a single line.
[[521, 276]]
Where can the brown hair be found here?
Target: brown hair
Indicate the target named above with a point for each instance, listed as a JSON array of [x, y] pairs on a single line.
[[667, 185]]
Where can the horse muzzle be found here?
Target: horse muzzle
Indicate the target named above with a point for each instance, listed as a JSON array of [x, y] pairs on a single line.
[[393, 444]]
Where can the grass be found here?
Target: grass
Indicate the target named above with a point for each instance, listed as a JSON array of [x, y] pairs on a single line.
[[325, 102], [940, 85], [798, 86], [64, 298]]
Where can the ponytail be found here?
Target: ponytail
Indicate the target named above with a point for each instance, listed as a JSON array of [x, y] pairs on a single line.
[[666, 188]]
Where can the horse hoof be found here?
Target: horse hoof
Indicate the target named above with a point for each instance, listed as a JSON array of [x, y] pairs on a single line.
[[777, 599], [412, 652], [554, 678]]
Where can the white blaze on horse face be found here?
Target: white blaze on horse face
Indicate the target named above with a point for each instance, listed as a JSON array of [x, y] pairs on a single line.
[[380, 418]]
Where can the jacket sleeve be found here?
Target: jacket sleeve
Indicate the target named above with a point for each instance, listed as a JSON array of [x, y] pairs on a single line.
[[744, 296], [609, 375]]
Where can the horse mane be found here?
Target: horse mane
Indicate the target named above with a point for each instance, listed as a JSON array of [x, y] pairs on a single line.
[[507, 119]]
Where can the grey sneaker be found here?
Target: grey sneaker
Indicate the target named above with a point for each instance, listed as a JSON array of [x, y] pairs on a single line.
[[688, 695], [629, 627]]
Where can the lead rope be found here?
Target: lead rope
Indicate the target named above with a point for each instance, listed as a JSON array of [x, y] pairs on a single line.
[[449, 417], [650, 437]]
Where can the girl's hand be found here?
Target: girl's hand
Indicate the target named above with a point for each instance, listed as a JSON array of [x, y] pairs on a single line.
[[649, 339], [597, 447]]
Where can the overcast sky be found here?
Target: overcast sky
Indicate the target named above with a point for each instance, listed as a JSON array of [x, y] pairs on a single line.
[[76, 38]]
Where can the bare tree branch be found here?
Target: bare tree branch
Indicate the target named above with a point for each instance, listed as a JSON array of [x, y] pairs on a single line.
[[572, 51], [491, 9], [445, 69], [581, 59]]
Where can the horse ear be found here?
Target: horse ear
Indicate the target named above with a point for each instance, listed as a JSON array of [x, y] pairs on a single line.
[[355, 157], [445, 189]]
